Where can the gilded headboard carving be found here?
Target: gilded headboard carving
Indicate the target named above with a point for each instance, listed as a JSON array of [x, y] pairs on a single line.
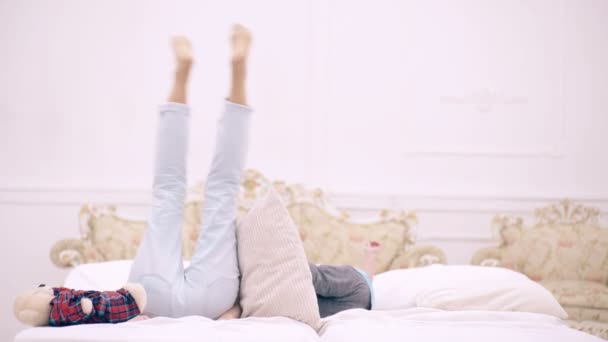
[[328, 234], [566, 243]]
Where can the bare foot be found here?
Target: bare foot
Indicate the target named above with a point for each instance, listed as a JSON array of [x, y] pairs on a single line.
[[233, 313], [182, 49], [241, 41]]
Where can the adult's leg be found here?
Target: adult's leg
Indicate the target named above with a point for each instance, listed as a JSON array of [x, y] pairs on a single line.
[[212, 280], [339, 288], [158, 264]]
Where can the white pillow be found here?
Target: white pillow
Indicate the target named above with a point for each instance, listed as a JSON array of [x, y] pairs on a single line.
[[463, 287], [101, 276]]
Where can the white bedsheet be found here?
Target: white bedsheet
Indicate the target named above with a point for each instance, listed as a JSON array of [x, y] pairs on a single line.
[[183, 329], [417, 324], [432, 325]]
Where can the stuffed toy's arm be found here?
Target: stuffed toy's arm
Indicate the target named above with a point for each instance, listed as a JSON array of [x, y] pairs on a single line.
[[67, 307]]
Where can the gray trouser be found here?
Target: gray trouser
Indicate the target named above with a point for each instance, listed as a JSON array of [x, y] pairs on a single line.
[[339, 288], [209, 286]]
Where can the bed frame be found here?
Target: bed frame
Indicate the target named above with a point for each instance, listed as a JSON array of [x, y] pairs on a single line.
[[566, 250], [329, 235]]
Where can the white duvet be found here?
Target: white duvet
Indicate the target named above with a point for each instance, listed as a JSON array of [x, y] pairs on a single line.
[[420, 325], [432, 325]]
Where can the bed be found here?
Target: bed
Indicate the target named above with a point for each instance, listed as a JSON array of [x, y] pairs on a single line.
[[439, 303], [417, 296], [353, 326]]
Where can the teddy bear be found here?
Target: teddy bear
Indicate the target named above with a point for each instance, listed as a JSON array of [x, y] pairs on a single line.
[[59, 306]]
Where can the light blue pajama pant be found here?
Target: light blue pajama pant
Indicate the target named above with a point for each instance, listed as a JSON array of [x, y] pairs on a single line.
[[209, 286]]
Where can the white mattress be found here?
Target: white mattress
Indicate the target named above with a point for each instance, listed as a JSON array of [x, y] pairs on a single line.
[[183, 329], [420, 325], [432, 325]]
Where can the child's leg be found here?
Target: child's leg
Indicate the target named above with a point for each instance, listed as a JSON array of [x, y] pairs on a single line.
[[339, 288], [212, 280], [158, 264]]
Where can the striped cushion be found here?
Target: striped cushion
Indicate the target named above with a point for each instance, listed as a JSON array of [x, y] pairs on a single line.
[[275, 277]]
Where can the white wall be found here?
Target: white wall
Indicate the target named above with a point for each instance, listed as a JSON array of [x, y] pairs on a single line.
[[455, 109]]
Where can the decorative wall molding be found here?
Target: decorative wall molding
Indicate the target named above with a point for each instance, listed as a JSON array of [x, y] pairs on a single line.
[[484, 100], [482, 154], [459, 203], [73, 196], [422, 203]]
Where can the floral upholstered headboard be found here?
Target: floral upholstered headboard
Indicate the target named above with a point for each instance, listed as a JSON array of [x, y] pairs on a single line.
[[328, 234], [566, 251], [566, 243]]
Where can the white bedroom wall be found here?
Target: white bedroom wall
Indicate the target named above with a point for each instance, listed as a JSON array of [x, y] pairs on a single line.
[[455, 109]]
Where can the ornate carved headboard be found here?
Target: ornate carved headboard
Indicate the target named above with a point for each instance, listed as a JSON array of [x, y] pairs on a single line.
[[566, 243], [567, 252], [328, 234]]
